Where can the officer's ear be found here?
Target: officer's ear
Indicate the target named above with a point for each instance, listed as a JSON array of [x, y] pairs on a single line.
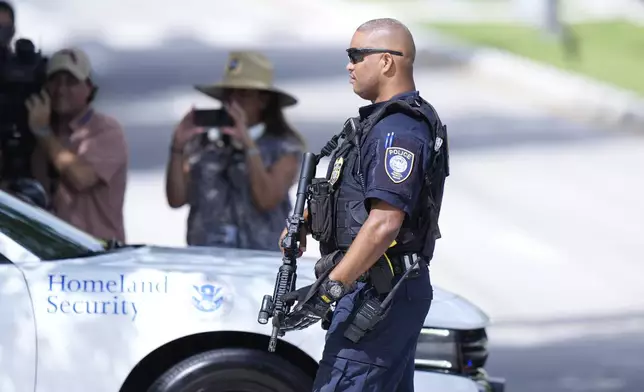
[[388, 65]]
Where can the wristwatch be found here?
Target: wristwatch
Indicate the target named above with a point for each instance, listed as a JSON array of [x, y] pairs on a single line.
[[333, 289]]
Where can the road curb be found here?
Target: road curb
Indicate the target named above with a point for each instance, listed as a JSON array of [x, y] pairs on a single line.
[[576, 94]]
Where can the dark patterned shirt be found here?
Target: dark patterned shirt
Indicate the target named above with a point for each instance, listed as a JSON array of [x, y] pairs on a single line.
[[222, 211]]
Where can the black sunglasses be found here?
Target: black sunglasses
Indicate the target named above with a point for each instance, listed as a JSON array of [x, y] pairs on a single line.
[[357, 55]]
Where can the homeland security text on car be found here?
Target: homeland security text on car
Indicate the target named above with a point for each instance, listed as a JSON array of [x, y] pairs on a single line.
[[113, 305]]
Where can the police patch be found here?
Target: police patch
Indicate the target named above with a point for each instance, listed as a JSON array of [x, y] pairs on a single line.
[[398, 163]]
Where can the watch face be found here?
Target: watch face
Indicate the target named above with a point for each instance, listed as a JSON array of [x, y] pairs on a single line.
[[335, 290]]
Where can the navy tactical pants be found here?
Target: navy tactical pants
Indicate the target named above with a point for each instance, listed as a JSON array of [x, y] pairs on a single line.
[[383, 360]]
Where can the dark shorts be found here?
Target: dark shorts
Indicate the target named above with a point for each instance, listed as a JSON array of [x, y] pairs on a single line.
[[383, 360]]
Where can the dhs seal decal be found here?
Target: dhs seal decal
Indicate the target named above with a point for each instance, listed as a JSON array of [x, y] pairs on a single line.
[[398, 163], [212, 296]]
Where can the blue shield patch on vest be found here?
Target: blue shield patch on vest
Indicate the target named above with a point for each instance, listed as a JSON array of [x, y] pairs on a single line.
[[398, 163]]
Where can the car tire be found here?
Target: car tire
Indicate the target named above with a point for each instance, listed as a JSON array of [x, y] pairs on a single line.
[[233, 370]]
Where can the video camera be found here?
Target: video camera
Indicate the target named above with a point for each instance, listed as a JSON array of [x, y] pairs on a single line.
[[22, 73]]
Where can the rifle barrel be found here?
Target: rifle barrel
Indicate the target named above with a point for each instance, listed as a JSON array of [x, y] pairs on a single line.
[[306, 174]]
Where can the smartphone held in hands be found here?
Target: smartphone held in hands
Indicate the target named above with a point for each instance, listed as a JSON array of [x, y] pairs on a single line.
[[213, 118]]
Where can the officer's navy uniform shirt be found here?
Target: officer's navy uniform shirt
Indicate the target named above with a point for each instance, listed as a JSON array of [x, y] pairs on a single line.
[[394, 156], [393, 159]]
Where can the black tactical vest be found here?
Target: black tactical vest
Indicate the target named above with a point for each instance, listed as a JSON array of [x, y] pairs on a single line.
[[336, 202]]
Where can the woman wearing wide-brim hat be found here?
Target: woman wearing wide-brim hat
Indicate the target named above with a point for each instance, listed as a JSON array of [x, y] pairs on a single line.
[[237, 191]]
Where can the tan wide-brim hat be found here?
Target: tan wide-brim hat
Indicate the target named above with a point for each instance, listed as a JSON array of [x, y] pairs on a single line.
[[247, 70]]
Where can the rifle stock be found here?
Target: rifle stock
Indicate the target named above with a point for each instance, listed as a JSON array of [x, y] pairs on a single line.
[[272, 306]]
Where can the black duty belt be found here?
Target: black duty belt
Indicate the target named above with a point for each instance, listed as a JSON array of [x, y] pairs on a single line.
[[387, 268], [401, 263], [373, 309]]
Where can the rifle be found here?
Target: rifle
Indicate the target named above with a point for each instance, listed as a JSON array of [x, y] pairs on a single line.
[[286, 275]]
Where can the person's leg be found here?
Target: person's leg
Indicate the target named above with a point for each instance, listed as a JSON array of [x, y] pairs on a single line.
[[380, 360], [419, 292], [340, 373], [406, 383], [347, 375]]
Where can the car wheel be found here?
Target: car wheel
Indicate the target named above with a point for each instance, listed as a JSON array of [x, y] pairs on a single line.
[[233, 370]]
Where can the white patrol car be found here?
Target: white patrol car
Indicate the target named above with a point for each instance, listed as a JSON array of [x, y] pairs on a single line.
[[79, 316]]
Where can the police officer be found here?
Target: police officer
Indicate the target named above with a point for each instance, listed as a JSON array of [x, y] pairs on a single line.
[[376, 218]]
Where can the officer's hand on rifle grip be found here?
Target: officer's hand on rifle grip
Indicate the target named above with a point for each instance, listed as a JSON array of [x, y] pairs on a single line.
[[303, 233]]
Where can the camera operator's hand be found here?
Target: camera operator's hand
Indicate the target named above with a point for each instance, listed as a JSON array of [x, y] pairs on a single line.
[[39, 108], [240, 131], [186, 130]]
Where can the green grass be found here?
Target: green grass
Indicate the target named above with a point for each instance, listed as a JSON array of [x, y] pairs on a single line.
[[609, 51]]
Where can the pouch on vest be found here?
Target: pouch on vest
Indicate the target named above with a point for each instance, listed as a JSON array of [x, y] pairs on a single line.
[[320, 205]]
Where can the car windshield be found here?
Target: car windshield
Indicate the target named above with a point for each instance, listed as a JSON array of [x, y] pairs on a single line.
[[43, 234]]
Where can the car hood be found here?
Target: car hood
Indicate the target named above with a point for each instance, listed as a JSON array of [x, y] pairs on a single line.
[[448, 310], [237, 262], [451, 311]]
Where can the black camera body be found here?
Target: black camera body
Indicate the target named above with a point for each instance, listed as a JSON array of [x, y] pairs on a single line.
[[22, 73]]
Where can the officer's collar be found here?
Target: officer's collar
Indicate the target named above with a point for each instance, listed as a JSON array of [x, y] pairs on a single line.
[[367, 110]]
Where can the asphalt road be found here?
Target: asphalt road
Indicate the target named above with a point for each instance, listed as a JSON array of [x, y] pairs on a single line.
[[542, 219]]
